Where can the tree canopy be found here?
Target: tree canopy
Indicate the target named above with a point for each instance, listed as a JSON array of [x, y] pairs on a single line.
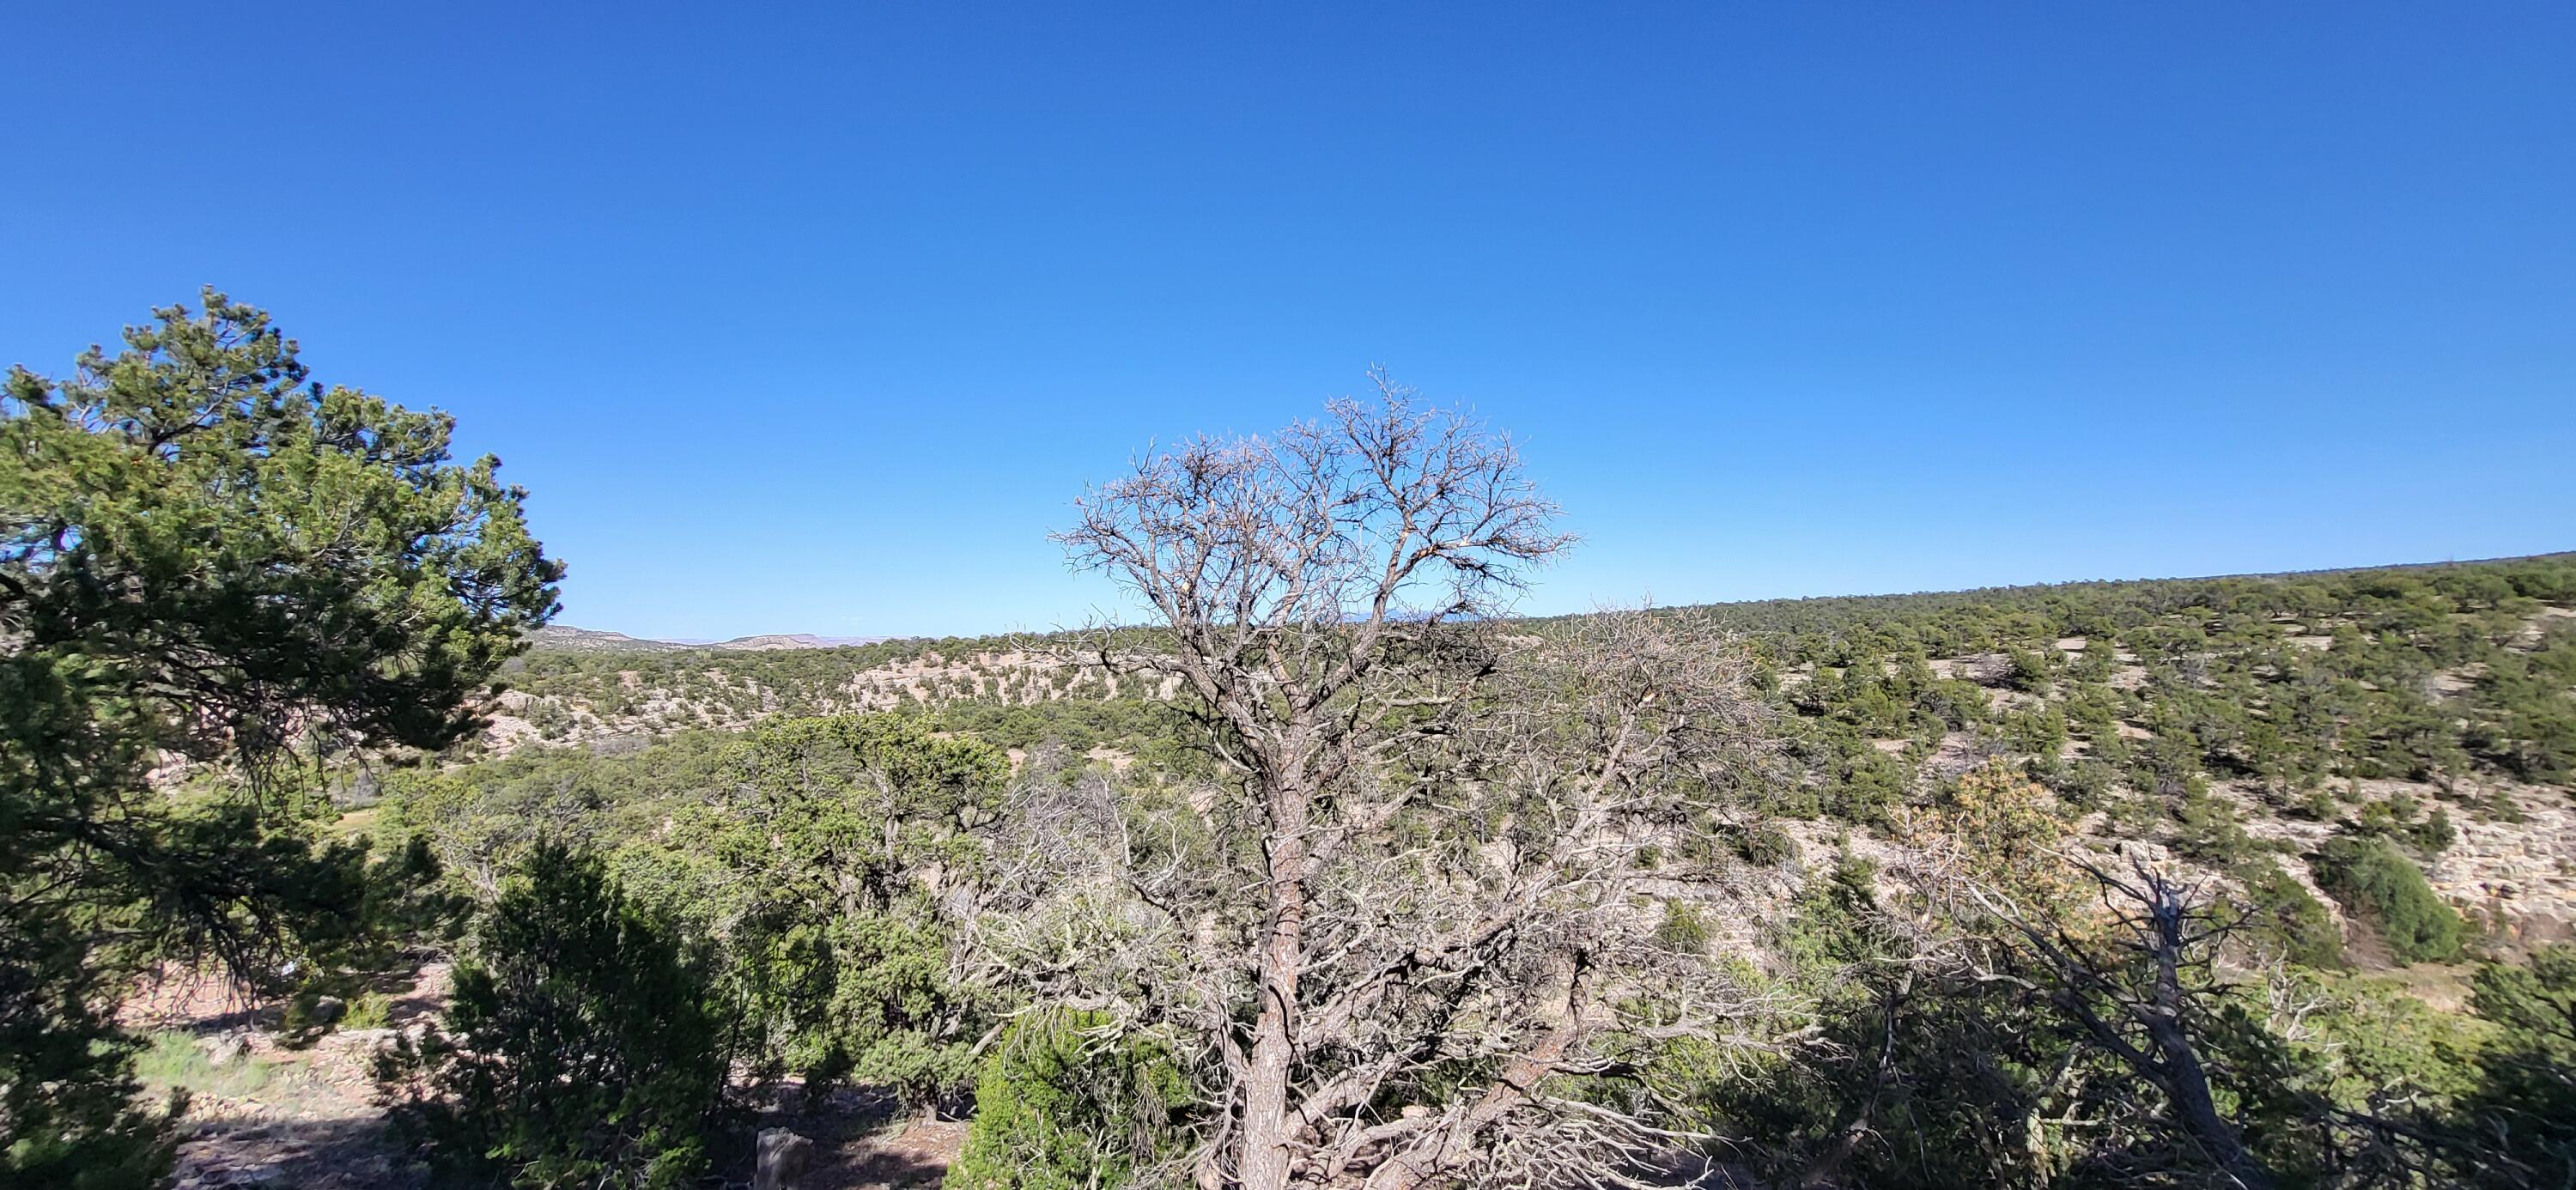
[[212, 568]]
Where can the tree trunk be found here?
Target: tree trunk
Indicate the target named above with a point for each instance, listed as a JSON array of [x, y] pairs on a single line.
[[1265, 1164], [1827, 1168], [2198, 1114], [2187, 1081]]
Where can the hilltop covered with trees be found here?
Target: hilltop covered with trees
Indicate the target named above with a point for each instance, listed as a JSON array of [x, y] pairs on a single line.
[[2225, 717]]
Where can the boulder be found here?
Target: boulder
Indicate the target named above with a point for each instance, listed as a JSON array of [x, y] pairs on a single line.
[[783, 1157], [224, 1049]]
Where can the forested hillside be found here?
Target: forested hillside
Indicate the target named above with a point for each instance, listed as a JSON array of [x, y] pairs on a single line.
[[2223, 717]]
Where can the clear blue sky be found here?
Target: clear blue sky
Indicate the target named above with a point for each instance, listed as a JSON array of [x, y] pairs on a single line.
[[816, 321]]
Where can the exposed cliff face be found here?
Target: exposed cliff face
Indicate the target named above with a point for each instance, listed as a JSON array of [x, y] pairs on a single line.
[[2518, 878]]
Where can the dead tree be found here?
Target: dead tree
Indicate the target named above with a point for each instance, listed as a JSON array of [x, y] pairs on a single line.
[[2129, 988], [1427, 855]]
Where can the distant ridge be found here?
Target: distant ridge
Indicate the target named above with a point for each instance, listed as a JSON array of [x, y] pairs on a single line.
[[566, 638], [2071, 584], [794, 640], [593, 640]]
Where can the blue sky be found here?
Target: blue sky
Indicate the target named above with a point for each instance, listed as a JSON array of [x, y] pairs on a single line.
[[817, 321]]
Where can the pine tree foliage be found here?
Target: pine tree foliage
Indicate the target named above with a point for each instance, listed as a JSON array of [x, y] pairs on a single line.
[[209, 566], [586, 1044], [2373, 878], [833, 863], [1067, 1103]]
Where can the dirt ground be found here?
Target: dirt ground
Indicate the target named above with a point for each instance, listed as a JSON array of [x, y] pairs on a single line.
[[862, 1143], [267, 1114], [262, 1112]]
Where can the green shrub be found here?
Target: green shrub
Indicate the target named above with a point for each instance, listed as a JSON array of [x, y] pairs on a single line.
[[2368, 1036], [1764, 846], [2318, 805], [2207, 828], [1683, 929], [2394, 819], [585, 1045], [2291, 919], [1059, 1108], [373, 1010], [2085, 784], [2375, 880], [2434, 835], [2026, 670], [2524, 1110]]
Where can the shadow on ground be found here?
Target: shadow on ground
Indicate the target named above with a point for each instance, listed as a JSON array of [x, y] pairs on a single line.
[[863, 1140], [344, 1154]]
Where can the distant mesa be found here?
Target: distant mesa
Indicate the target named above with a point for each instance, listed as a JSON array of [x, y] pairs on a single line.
[[593, 640], [794, 640]]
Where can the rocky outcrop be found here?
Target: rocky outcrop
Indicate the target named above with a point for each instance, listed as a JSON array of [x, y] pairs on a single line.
[[2516, 878], [783, 1157]]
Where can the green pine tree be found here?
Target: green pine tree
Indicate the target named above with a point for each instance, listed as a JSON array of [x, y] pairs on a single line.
[[585, 1044], [204, 556]]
